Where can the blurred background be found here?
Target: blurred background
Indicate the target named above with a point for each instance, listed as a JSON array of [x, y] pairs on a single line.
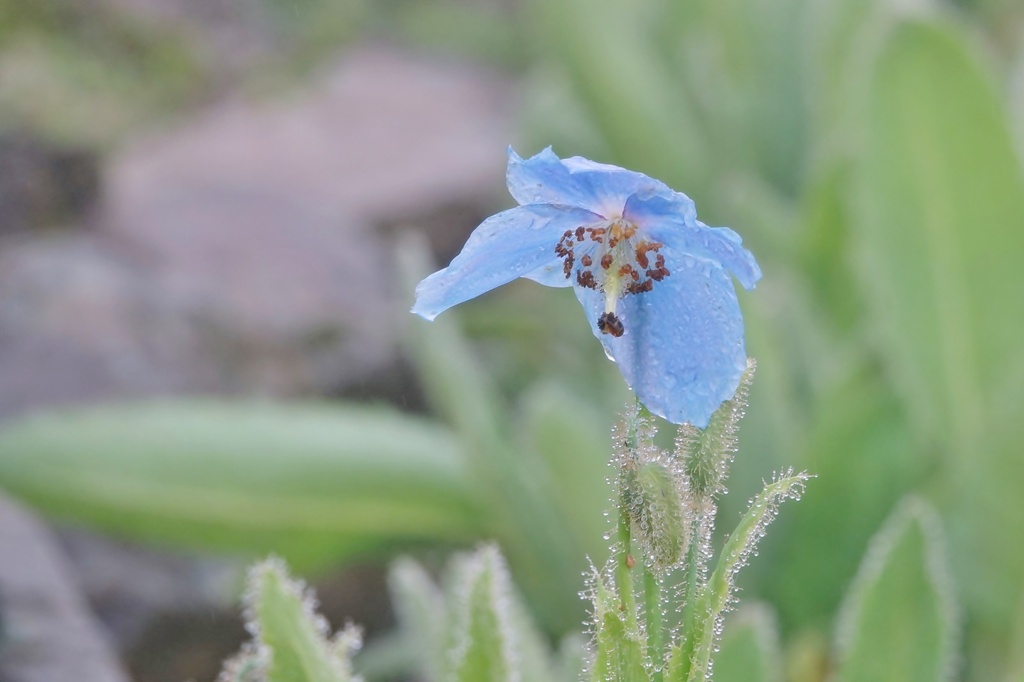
[[213, 213]]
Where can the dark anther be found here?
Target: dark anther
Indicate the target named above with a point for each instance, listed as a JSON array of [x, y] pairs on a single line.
[[657, 275], [606, 260], [586, 260], [609, 323], [640, 287], [564, 246], [585, 278]]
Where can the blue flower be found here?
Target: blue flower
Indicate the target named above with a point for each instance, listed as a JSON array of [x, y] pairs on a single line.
[[653, 280]]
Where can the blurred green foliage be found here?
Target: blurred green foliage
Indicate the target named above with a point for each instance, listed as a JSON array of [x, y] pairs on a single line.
[[307, 481], [866, 151], [899, 621], [749, 648], [869, 152], [90, 73], [84, 72]]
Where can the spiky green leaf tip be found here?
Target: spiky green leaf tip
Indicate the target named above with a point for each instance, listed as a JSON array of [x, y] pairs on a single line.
[[290, 642]]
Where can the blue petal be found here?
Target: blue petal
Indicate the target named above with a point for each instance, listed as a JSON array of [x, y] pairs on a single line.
[[551, 275], [597, 187], [514, 243], [671, 220], [682, 351]]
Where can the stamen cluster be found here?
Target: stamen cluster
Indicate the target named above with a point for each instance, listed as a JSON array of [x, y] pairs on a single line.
[[632, 261], [625, 262]]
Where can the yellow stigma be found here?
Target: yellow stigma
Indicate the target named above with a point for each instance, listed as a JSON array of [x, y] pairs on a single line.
[[612, 289]]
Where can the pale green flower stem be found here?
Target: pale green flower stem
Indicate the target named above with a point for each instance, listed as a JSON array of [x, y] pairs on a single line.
[[655, 624], [690, 599], [623, 573], [654, 630]]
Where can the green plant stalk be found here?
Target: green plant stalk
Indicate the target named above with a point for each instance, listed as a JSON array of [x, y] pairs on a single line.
[[623, 570], [655, 624], [684, 656], [624, 561]]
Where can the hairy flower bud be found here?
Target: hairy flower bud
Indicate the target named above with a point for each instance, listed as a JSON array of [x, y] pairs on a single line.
[[658, 515]]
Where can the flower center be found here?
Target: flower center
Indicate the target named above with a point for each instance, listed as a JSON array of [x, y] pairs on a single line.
[[613, 259]]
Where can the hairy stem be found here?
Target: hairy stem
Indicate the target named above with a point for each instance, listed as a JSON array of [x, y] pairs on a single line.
[[655, 623], [624, 566]]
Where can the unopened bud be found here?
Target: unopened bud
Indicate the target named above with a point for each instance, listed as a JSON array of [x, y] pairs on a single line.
[[658, 516], [707, 453]]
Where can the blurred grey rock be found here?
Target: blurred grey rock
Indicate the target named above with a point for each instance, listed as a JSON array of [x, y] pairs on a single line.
[[80, 322], [380, 136], [266, 216], [43, 184], [48, 634], [246, 251]]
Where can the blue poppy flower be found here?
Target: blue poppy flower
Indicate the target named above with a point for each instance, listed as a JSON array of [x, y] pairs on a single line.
[[653, 280]]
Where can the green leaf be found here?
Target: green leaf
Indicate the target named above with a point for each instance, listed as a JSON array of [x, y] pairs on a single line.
[[618, 646], [313, 482], [984, 515], [691, 658], [619, 655], [749, 651], [1015, 665], [940, 229], [483, 646], [479, 627], [898, 621], [294, 635]]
